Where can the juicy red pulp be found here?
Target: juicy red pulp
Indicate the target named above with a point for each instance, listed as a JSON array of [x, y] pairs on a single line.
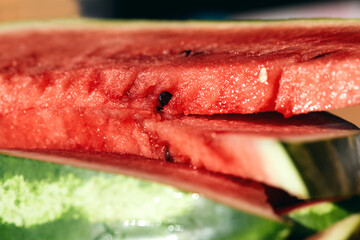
[[239, 69]]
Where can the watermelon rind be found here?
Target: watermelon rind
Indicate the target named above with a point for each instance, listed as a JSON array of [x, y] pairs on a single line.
[[321, 215], [42, 200], [91, 22], [329, 167], [287, 175], [346, 229]]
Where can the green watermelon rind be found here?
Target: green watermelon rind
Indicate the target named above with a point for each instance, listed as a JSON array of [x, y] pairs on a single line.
[[345, 229], [327, 166], [287, 174], [41, 199]]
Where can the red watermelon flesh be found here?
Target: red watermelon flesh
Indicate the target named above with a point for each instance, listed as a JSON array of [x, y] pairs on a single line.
[[78, 129], [209, 68], [237, 145]]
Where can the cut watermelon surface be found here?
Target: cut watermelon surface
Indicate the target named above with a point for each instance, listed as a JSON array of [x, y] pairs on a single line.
[[288, 153], [106, 130], [292, 67]]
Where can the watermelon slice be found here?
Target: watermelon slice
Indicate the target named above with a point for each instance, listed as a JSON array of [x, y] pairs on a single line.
[[208, 68], [284, 153]]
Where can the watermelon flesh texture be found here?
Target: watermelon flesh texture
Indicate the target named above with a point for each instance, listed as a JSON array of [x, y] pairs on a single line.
[[106, 130], [266, 147], [291, 67], [75, 203]]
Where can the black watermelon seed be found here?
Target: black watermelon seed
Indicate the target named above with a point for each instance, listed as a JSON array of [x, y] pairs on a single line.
[[186, 52], [168, 157], [164, 98]]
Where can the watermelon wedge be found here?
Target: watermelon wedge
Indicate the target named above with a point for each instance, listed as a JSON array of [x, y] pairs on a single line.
[[286, 153], [237, 67], [266, 148]]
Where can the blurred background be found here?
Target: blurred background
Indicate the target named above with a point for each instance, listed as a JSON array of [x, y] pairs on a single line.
[[11, 10], [185, 9]]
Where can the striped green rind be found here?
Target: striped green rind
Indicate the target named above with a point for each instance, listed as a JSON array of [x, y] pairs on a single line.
[[312, 168], [346, 229], [329, 167], [41, 200], [317, 217], [287, 175]]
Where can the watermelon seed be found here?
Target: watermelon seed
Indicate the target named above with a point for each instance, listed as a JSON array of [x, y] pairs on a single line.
[[168, 157], [186, 52], [164, 98]]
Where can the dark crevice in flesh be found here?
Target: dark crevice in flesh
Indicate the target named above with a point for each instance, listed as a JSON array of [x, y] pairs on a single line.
[[168, 156], [198, 53], [186, 52], [321, 55], [311, 56], [281, 200], [189, 53]]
